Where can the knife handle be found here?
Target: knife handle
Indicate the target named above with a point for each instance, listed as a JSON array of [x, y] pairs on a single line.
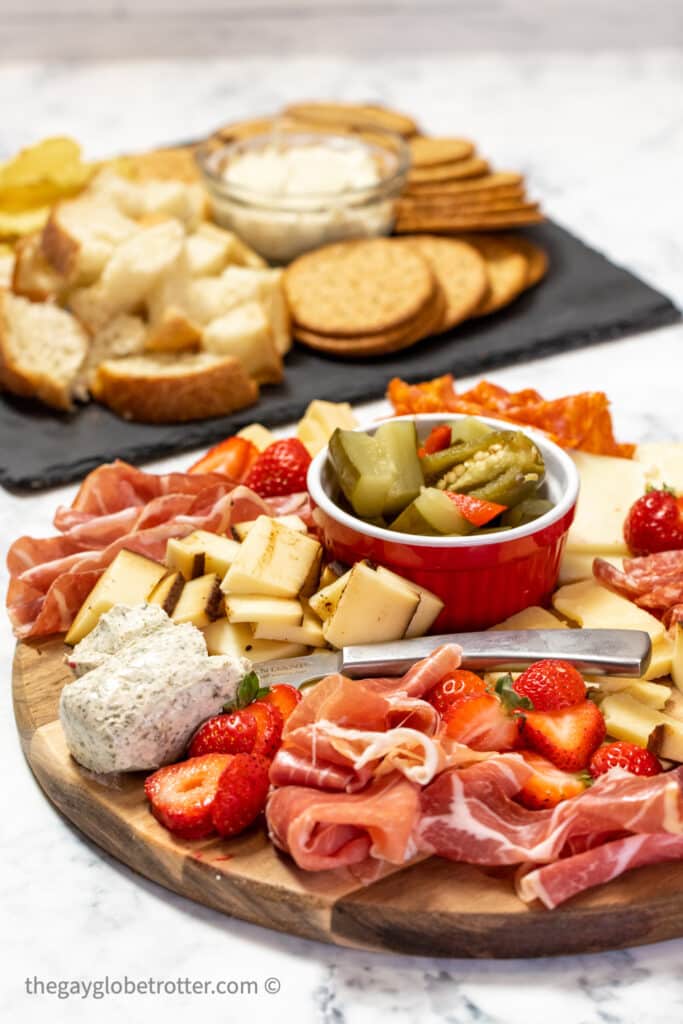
[[600, 652]]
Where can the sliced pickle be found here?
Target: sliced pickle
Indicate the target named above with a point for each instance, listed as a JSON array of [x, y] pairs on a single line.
[[509, 488], [437, 465], [526, 511], [432, 513], [365, 471], [517, 457], [470, 431], [399, 437]]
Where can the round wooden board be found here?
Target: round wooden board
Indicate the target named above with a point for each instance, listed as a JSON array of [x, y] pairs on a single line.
[[433, 908]]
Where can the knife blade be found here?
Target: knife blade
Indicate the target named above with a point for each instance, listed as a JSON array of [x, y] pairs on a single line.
[[615, 652]]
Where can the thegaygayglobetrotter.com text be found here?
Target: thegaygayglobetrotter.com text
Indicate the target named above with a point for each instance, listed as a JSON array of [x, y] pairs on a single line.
[[106, 987]]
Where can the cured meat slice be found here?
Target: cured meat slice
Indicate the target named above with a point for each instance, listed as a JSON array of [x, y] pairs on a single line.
[[554, 883], [654, 581], [321, 831], [469, 814]]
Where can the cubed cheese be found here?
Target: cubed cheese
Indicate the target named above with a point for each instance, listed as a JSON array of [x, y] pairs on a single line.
[[200, 602], [258, 608], [533, 617], [201, 552], [371, 609], [309, 632], [237, 639], [273, 560]]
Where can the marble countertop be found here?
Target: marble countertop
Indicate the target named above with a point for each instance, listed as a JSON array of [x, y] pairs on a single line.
[[601, 139]]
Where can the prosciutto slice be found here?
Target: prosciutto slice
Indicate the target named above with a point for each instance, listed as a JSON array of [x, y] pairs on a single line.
[[118, 506], [321, 830], [554, 883], [469, 815]]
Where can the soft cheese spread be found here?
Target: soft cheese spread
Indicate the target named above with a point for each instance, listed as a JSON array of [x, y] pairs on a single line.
[[291, 170], [115, 630], [138, 709]]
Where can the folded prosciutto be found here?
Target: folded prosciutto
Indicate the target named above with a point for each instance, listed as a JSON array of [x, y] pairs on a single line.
[[117, 506]]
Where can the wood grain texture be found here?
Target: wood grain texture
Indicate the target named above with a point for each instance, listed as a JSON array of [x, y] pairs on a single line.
[[433, 908]]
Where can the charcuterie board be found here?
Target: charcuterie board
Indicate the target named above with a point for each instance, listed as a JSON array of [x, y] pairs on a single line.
[[435, 907]]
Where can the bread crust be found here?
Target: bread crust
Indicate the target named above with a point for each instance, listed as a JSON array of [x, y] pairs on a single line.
[[202, 392], [60, 249]]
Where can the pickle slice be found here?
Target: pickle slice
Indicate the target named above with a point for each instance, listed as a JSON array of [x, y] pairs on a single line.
[[437, 465], [432, 513], [526, 511], [399, 437], [365, 471], [470, 431]]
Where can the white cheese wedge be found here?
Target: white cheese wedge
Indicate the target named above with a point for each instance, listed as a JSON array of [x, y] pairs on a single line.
[[129, 579], [308, 632], [371, 609], [138, 709], [662, 658], [117, 628], [594, 607], [609, 486], [628, 719], [653, 695], [259, 435], [167, 593], [533, 617], [237, 639], [325, 602], [201, 552], [578, 565], [279, 611], [677, 656], [200, 602], [320, 421], [663, 462], [273, 560], [428, 609]]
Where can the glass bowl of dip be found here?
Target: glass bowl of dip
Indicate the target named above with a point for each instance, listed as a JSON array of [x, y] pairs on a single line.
[[288, 192]]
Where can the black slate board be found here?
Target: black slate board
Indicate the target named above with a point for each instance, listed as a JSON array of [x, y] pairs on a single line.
[[584, 299]]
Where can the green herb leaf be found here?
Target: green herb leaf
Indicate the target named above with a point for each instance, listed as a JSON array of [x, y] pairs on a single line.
[[511, 700], [247, 691]]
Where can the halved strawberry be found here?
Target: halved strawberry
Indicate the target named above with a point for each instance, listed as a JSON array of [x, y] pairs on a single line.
[[233, 457], [455, 688], [181, 795], [568, 737], [235, 733], [282, 696], [548, 786], [241, 794], [269, 724], [482, 723]]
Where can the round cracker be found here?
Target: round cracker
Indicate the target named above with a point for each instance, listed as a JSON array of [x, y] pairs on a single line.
[[427, 322], [507, 271], [353, 115], [537, 258], [453, 223], [460, 270], [357, 288], [428, 151], [474, 167], [487, 182]]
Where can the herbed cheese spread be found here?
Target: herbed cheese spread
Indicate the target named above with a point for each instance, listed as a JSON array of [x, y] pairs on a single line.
[[115, 629]]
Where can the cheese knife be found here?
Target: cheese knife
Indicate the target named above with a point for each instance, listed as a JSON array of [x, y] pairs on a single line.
[[600, 652]]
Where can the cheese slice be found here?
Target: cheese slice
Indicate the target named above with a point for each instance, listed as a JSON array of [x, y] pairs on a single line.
[[578, 565], [259, 608], [201, 552], [372, 609], [663, 462], [273, 560], [129, 579], [662, 657], [677, 657], [594, 607], [237, 639], [609, 486], [200, 602], [654, 695], [309, 632], [428, 609], [533, 617]]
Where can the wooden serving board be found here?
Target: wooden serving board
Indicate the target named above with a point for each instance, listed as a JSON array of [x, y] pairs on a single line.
[[433, 908]]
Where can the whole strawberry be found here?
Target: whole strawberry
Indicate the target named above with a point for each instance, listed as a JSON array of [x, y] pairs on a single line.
[[551, 685], [655, 523], [628, 756], [280, 469]]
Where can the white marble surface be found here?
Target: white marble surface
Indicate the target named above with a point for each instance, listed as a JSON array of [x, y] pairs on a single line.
[[601, 138]]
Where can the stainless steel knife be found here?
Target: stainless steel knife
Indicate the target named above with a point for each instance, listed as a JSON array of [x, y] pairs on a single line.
[[600, 652]]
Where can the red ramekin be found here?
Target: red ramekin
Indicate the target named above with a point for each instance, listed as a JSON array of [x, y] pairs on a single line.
[[481, 580]]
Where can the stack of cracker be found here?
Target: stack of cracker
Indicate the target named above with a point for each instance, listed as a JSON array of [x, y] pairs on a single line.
[[370, 297]]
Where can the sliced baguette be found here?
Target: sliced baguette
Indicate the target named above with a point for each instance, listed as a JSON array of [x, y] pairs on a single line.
[[123, 336], [210, 249], [164, 388], [80, 236], [33, 277], [7, 262], [246, 333], [42, 349], [130, 273]]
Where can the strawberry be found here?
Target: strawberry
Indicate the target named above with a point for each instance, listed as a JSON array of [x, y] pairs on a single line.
[[567, 737], [235, 733], [628, 756], [457, 687], [655, 523], [548, 786], [475, 510], [551, 685], [269, 723], [280, 469], [181, 795], [482, 723], [241, 794], [282, 696], [232, 457]]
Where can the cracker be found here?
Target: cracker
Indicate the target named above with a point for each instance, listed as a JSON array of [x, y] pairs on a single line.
[[460, 270], [427, 151], [454, 223], [537, 258], [487, 182], [464, 208], [480, 196], [357, 288], [353, 115], [427, 322], [507, 270], [474, 167]]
